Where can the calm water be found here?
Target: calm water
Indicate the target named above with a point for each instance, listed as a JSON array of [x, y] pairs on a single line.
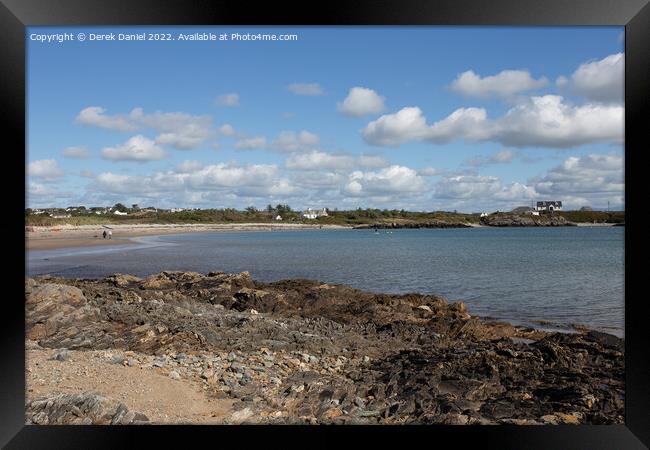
[[561, 275]]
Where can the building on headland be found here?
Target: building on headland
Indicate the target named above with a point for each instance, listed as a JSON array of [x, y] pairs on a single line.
[[120, 213], [549, 206], [314, 213], [278, 217], [177, 210]]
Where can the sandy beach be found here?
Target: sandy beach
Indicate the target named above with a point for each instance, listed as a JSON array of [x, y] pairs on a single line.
[[64, 236]]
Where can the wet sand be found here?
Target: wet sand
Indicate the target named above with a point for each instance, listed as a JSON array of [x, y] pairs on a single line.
[[49, 238]]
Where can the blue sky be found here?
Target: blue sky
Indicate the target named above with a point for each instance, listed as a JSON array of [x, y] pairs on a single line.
[[424, 118]]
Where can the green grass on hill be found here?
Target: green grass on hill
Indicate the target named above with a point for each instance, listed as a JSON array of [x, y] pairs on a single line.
[[351, 217]]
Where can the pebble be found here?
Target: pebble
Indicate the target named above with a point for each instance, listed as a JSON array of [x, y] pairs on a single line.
[[60, 355], [174, 375]]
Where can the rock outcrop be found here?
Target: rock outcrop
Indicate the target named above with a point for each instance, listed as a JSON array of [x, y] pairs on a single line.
[[526, 220], [301, 351], [80, 409], [409, 225]]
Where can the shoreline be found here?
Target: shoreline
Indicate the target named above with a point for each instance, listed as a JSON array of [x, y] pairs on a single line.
[[299, 352], [74, 236], [71, 236]]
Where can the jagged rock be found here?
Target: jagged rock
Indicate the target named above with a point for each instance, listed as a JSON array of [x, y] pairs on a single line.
[[516, 220], [87, 408], [122, 280], [331, 354]]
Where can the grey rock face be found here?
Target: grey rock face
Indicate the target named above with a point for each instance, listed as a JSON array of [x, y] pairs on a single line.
[[80, 409]]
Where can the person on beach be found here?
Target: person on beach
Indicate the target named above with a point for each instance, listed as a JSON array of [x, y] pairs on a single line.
[[104, 234], [110, 234]]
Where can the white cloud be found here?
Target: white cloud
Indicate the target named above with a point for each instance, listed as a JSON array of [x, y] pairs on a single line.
[[592, 176], [501, 157], [76, 152], [504, 84], [189, 166], [227, 130], [550, 122], [231, 99], [39, 195], [391, 130], [47, 169], [190, 181], [179, 130], [316, 160], [481, 190], [430, 172], [94, 116], [545, 121], [409, 124], [391, 180], [601, 81], [290, 141], [372, 162], [361, 102], [251, 143], [504, 156], [137, 148], [310, 89]]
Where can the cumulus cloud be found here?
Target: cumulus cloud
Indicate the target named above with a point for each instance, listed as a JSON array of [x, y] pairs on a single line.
[[372, 162], [600, 81], [46, 169], [229, 179], [76, 152], [179, 130], [310, 89], [504, 84], [593, 175], [391, 130], [361, 102], [501, 157], [189, 166], [316, 160], [390, 180], [94, 116], [290, 141], [550, 122], [227, 130], [545, 121], [251, 143], [483, 189], [430, 172], [137, 148], [231, 99], [409, 124], [39, 195]]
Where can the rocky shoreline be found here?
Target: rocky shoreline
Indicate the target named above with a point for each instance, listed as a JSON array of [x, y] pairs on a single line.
[[414, 225], [516, 220], [301, 351]]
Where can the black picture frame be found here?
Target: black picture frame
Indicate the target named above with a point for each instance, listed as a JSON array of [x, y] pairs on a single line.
[[15, 15]]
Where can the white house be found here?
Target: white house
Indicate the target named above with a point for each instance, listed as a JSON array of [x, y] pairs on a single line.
[[549, 205], [278, 217], [176, 210], [120, 213], [484, 214], [314, 213]]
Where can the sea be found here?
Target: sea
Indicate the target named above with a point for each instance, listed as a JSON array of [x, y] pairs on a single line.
[[552, 278]]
